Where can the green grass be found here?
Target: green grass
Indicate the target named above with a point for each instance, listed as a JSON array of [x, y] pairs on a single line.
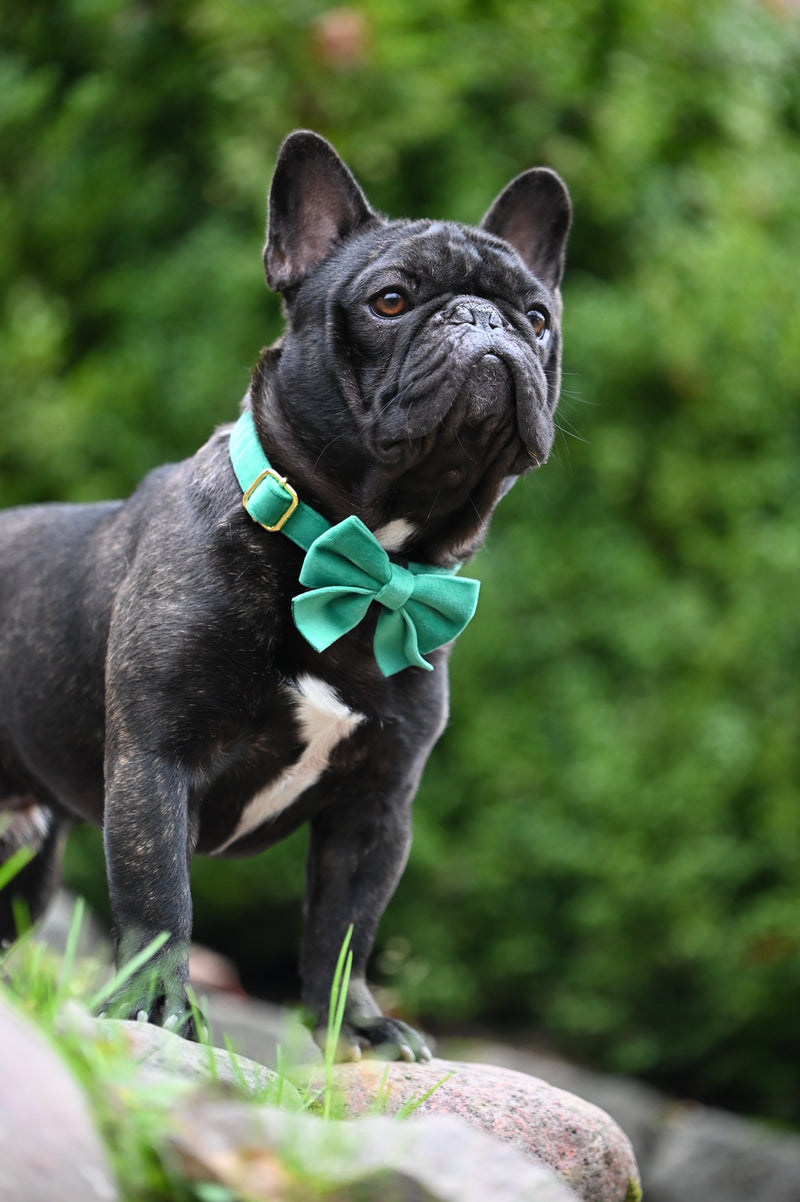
[[341, 981], [133, 1109]]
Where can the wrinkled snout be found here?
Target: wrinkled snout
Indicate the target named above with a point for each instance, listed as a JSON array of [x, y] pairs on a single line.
[[504, 380]]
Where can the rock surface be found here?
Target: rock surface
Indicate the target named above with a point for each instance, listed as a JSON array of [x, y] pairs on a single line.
[[48, 1144], [548, 1126], [709, 1155], [686, 1152], [639, 1109], [162, 1052]]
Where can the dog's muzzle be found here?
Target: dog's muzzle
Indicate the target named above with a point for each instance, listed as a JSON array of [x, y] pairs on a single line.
[[469, 368], [504, 381]]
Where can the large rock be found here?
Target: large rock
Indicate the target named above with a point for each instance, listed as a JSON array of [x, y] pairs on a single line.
[[686, 1152], [49, 1148], [161, 1052], [548, 1126], [639, 1109], [706, 1155]]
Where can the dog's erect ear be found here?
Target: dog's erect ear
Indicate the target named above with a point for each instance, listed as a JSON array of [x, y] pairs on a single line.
[[534, 214], [314, 202]]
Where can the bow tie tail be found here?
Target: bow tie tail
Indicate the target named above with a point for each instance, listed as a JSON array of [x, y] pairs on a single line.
[[396, 645]]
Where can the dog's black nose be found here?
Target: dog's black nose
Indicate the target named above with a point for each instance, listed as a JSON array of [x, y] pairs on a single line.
[[477, 313]]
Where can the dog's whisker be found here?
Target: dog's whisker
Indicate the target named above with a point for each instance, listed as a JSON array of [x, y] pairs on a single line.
[[565, 427], [434, 504], [323, 452]]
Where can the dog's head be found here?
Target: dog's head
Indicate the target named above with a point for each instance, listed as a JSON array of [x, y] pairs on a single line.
[[419, 371]]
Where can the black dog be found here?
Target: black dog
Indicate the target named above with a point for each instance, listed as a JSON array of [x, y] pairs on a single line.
[[153, 675]]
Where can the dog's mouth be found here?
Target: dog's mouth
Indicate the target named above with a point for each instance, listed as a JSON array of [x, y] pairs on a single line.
[[489, 392]]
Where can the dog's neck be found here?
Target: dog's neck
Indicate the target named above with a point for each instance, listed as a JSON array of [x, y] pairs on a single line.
[[423, 510]]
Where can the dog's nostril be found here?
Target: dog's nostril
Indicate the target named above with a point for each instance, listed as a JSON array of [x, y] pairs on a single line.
[[487, 317]]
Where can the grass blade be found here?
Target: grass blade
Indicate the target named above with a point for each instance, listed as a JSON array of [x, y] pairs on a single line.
[[280, 1068], [15, 864], [338, 1001], [411, 1105], [382, 1093], [128, 970], [70, 950], [339, 994]]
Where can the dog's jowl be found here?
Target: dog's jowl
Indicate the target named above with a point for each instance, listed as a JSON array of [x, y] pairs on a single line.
[[259, 636]]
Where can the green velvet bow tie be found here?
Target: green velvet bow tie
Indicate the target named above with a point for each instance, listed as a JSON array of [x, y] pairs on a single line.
[[346, 569]]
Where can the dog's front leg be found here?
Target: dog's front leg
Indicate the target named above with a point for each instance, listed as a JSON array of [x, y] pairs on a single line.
[[357, 854], [148, 845]]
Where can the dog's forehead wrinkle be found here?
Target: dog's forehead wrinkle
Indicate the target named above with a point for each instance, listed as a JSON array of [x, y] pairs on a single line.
[[448, 256], [380, 273]]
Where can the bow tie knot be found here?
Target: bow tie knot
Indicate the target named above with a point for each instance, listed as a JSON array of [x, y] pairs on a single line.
[[397, 589], [346, 569]]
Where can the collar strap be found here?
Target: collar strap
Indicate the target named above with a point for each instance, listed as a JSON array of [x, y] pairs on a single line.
[[269, 498], [346, 569]]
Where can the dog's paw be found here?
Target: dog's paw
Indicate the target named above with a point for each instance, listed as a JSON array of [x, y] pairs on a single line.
[[386, 1038], [172, 1011]]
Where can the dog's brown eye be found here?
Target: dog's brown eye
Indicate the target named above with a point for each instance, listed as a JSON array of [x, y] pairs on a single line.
[[538, 320], [389, 303]]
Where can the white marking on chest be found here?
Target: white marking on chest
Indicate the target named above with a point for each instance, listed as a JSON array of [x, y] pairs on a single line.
[[394, 535], [324, 720]]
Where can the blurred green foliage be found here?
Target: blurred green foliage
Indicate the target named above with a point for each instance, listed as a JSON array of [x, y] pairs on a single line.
[[607, 844]]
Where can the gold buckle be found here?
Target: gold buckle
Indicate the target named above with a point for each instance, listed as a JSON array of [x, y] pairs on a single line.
[[293, 498]]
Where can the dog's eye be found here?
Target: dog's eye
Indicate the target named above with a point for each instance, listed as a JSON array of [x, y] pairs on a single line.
[[538, 320], [390, 303]]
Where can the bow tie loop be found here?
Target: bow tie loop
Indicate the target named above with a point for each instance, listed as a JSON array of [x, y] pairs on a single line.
[[397, 589]]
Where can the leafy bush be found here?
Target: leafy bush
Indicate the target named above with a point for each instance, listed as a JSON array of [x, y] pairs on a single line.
[[607, 837]]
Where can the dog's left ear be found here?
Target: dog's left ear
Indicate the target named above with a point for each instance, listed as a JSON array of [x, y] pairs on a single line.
[[314, 202], [534, 214]]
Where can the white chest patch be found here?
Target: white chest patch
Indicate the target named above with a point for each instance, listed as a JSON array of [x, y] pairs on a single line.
[[324, 721], [394, 535]]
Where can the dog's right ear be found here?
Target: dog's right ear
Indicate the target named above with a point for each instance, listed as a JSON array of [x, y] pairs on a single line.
[[534, 214], [314, 202]]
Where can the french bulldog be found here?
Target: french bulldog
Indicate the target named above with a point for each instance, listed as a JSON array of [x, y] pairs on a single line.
[[153, 676]]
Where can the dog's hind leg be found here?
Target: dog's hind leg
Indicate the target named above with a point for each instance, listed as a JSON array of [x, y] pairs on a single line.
[[24, 822]]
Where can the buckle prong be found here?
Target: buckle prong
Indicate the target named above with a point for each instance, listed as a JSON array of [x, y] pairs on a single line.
[[282, 481]]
